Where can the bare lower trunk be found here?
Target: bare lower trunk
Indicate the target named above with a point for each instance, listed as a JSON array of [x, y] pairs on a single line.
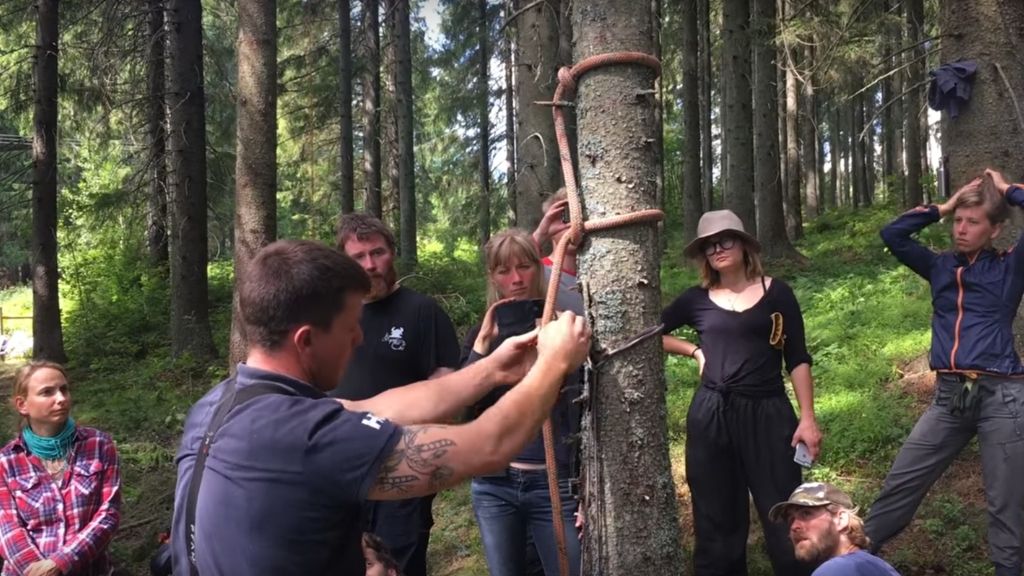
[[156, 228], [692, 204], [345, 167], [48, 337], [537, 62], [371, 107], [256, 147], [631, 506], [190, 323]]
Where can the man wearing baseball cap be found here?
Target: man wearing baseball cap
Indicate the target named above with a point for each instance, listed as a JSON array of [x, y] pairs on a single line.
[[827, 533]]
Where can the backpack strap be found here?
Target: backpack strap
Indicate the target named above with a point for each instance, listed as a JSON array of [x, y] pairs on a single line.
[[231, 398]]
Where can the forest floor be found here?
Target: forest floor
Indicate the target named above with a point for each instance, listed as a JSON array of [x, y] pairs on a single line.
[[867, 324]]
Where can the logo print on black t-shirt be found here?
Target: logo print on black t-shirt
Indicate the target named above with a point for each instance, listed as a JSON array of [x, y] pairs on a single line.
[[395, 337]]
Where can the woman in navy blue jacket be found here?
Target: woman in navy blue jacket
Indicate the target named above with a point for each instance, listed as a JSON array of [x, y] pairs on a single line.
[[979, 389]]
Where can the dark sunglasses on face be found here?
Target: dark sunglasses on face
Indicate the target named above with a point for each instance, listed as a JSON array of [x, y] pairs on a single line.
[[725, 243]]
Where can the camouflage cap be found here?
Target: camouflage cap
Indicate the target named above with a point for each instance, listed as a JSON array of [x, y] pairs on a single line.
[[810, 494]]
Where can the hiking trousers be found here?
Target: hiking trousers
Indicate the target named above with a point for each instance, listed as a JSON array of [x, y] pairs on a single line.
[[738, 446], [939, 435]]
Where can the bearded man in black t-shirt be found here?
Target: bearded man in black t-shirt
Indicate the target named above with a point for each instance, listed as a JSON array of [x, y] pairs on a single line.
[[407, 337]]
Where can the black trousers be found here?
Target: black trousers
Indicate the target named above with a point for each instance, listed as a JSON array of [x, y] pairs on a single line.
[[738, 446]]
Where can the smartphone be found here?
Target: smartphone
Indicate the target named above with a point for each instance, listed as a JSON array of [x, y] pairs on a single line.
[[566, 218], [802, 456], [518, 316]]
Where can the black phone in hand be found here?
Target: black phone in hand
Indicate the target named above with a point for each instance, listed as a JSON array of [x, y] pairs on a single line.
[[518, 316]]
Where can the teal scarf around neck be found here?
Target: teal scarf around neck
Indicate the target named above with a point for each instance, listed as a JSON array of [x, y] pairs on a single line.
[[51, 447]]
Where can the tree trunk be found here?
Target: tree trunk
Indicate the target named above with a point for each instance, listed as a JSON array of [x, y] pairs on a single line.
[[659, 116], [190, 324], [771, 222], [704, 81], [632, 525], [857, 148], [537, 62], [48, 337], [256, 147], [389, 127], [345, 168], [835, 157], [406, 149], [510, 117], [794, 217], [888, 47], [898, 117], [913, 102], [809, 139], [692, 203], [156, 225], [371, 106], [739, 121], [870, 177], [484, 126]]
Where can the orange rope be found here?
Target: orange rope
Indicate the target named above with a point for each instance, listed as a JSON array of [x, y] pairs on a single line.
[[566, 90]]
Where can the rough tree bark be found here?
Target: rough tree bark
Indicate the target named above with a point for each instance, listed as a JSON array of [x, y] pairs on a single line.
[[186, 181], [738, 127], [692, 204], [404, 120], [510, 116], [913, 102], [371, 106], [809, 136], [484, 124], [345, 168], [794, 216], [48, 337], [632, 525], [771, 223], [156, 111], [255, 147], [704, 81], [537, 61]]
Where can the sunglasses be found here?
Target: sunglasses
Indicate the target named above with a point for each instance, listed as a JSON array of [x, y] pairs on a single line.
[[725, 243]]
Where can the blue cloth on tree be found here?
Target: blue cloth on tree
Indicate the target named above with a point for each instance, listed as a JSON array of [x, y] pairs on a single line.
[[950, 88]]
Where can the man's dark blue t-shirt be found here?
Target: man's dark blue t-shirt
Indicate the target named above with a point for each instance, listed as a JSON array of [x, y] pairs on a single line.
[[284, 481], [859, 563]]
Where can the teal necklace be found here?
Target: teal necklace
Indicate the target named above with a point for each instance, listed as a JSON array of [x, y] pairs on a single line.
[[51, 447]]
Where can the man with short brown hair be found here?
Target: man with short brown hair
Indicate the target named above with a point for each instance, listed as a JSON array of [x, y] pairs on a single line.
[[408, 337]]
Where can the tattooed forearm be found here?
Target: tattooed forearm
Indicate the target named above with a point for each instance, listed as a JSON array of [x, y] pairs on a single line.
[[415, 461]]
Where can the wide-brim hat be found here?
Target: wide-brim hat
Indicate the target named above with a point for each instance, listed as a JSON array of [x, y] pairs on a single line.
[[811, 495], [716, 222]]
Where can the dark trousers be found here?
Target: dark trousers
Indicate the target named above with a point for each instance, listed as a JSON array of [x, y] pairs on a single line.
[[404, 527], [738, 446], [939, 435]]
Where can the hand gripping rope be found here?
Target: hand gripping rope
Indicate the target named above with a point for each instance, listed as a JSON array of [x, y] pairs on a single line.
[[566, 90]]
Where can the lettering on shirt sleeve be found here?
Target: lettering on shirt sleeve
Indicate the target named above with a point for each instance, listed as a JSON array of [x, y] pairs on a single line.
[[373, 421]]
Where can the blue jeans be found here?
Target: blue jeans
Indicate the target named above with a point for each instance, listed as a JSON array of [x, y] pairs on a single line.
[[509, 505]]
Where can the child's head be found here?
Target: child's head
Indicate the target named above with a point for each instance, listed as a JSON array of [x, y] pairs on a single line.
[[378, 561]]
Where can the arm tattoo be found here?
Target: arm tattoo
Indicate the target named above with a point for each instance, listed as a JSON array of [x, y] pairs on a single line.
[[421, 460]]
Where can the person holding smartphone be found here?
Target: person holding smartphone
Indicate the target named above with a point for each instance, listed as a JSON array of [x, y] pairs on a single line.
[[741, 432], [513, 505]]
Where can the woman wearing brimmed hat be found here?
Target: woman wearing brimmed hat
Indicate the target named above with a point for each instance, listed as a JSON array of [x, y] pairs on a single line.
[[741, 431]]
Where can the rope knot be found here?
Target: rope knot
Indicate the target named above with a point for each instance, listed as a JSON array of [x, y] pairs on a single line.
[[567, 80]]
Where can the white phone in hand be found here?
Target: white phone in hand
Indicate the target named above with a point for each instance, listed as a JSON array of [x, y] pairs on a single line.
[[802, 456]]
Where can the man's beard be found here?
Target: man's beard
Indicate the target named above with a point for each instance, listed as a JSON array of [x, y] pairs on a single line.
[[381, 284], [817, 552]]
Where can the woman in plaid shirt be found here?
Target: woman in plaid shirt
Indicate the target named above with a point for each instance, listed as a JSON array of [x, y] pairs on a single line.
[[60, 495]]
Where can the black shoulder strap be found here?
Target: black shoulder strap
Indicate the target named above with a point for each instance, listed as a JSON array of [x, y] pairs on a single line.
[[231, 398], [764, 286]]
